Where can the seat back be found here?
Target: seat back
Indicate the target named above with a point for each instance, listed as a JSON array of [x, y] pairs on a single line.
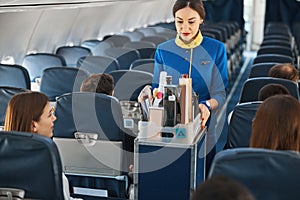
[[277, 58], [5, 95], [271, 36], [282, 43], [90, 157], [37, 62], [72, 54], [117, 40], [146, 65], [125, 56], [260, 69], [14, 76], [90, 44], [89, 113], [168, 34], [31, 162], [57, 81], [99, 164], [275, 49], [98, 64], [252, 86], [278, 28], [133, 35], [129, 83], [145, 48], [97, 47], [240, 125], [94, 164], [156, 39], [217, 34], [268, 174], [208, 34], [147, 31]]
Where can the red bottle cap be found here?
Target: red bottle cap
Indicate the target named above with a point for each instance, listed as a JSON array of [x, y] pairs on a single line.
[[184, 75], [159, 95]]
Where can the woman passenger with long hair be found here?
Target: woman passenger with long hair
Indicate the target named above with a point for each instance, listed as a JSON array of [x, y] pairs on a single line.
[[276, 124], [31, 112]]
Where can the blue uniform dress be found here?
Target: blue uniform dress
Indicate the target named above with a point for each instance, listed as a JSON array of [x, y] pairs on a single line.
[[209, 70]]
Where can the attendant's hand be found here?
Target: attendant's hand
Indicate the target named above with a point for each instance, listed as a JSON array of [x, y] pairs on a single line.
[[131, 168], [205, 113], [155, 91], [145, 94]]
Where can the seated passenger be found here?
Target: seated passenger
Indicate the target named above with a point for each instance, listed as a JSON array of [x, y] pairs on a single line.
[[221, 188], [271, 90], [276, 124], [285, 71], [104, 83], [99, 83], [31, 112], [267, 91]]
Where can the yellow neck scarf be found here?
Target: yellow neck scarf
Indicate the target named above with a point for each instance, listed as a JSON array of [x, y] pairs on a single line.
[[196, 42]]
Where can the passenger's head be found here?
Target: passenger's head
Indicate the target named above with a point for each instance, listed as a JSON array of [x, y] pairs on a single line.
[[222, 188], [276, 124], [286, 71], [188, 14], [30, 112], [99, 83], [271, 90]]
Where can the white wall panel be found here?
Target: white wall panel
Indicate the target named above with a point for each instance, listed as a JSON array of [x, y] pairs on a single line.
[[42, 28]]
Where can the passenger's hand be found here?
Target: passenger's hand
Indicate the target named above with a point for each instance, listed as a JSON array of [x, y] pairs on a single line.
[[205, 113]]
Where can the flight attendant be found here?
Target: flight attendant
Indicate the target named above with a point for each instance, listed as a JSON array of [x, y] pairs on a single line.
[[202, 58]]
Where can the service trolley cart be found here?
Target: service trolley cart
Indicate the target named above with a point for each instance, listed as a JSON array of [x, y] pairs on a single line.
[[169, 168]]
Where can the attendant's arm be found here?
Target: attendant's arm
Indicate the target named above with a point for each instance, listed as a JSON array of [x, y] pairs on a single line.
[[218, 85], [158, 67], [219, 80]]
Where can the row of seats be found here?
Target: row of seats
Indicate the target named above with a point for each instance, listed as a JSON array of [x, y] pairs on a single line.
[[258, 77], [129, 46], [115, 52], [260, 169], [245, 110], [36, 63], [57, 81], [278, 39], [231, 35], [53, 77]]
